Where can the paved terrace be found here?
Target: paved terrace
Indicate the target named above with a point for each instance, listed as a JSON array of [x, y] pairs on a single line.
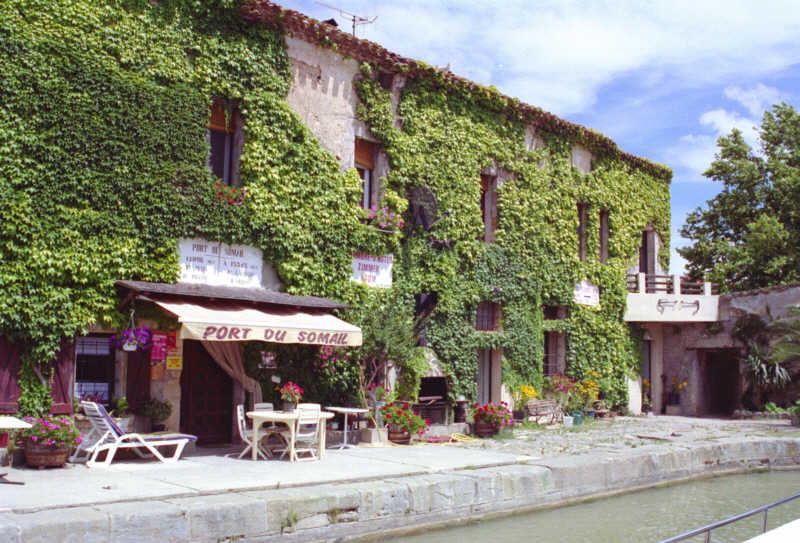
[[208, 496]]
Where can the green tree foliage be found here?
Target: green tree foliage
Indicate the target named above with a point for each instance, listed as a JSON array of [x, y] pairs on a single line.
[[748, 236]]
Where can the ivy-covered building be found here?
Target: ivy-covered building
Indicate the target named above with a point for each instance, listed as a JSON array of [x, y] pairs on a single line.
[[131, 128]]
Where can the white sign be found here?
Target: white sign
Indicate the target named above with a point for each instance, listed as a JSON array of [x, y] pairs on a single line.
[[373, 271], [586, 293], [214, 263]]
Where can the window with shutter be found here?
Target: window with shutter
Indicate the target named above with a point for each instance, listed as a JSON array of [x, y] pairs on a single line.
[[224, 142], [9, 370], [489, 206], [365, 152]]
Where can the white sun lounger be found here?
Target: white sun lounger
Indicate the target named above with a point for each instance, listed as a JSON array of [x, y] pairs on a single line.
[[107, 436]]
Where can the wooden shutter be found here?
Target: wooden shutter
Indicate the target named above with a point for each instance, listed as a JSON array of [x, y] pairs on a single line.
[[365, 154], [9, 370], [63, 380], [220, 121], [137, 388]]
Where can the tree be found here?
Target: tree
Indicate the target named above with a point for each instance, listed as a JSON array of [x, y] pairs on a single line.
[[749, 234]]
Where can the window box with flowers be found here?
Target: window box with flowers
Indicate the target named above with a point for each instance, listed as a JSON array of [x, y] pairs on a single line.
[[403, 422], [49, 441], [383, 220], [490, 418]]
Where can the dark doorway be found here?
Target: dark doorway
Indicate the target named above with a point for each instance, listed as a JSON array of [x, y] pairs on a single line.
[[137, 389], [721, 381], [206, 396]]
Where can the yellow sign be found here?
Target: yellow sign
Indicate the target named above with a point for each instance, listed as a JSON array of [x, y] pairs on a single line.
[[174, 363]]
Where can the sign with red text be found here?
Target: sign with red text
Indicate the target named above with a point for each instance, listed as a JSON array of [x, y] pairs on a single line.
[[373, 271], [215, 263]]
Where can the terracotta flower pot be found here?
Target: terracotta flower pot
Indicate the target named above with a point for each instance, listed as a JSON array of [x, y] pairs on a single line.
[[399, 435], [43, 456], [483, 428]]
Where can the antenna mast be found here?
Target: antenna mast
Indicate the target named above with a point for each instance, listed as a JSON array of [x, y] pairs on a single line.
[[354, 19]]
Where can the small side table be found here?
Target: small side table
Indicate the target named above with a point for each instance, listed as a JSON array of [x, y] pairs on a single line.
[[347, 411], [11, 423]]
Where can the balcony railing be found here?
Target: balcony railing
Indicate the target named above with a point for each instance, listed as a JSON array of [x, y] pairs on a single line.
[[646, 283]]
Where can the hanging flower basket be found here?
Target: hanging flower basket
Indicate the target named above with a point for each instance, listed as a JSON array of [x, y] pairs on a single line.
[[133, 339]]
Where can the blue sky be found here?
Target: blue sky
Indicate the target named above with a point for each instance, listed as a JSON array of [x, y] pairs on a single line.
[[663, 79]]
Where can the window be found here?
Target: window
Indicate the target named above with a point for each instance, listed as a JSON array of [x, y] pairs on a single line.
[[94, 368], [488, 206], [582, 210], [487, 316], [553, 312], [224, 141], [365, 166], [603, 234], [424, 305]]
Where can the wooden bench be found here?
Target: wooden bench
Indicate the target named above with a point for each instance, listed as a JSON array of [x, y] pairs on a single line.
[[544, 411]]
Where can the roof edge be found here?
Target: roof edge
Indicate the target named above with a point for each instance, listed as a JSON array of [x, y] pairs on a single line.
[[322, 34]]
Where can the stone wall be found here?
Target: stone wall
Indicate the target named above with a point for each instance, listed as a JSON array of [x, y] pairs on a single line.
[[375, 508]]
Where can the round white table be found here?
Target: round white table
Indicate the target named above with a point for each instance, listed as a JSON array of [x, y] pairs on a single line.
[[346, 411]]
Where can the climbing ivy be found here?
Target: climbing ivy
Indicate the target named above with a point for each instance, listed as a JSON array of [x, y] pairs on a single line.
[[103, 162], [443, 137], [103, 168]]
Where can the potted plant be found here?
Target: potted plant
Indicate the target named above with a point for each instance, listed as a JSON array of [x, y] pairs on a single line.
[[49, 440], [521, 398], [123, 414], [291, 393], [155, 410], [676, 385], [403, 422], [491, 418], [133, 339]]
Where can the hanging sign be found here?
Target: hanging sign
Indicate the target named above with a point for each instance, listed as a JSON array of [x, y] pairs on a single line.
[[586, 293], [373, 271], [159, 349], [215, 263]]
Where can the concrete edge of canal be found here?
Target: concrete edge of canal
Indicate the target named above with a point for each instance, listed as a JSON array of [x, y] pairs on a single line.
[[371, 509]]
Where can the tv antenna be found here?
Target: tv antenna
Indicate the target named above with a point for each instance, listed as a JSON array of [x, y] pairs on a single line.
[[354, 19]]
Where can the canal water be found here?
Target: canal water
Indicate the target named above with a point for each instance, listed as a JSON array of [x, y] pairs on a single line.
[[644, 516]]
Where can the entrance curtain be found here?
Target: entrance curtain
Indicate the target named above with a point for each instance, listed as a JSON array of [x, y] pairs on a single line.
[[228, 355]]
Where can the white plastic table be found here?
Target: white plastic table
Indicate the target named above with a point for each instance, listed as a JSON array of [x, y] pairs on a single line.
[[346, 411], [289, 418], [11, 423]]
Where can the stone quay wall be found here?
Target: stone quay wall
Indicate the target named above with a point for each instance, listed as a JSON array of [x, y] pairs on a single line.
[[372, 509]]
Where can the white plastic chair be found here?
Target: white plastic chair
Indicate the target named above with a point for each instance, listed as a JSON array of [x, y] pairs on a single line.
[[306, 437], [246, 435]]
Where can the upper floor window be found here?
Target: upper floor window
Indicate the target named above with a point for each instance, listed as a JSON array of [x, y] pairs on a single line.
[[224, 141], [582, 211], [488, 206], [487, 316], [365, 152], [603, 235]]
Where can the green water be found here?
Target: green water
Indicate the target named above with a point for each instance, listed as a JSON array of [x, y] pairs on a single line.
[[644, 516]]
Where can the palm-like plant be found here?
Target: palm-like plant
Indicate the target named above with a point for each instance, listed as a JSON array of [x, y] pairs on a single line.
[[786, 331]]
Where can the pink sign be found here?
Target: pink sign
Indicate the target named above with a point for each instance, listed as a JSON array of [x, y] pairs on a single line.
[[159, 350]]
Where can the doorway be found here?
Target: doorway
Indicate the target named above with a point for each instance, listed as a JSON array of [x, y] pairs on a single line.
[[206, 396], [721, 381]]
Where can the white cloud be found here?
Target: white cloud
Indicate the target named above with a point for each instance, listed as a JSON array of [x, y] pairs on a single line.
[[557, 54], [757, 99], [696, 151]]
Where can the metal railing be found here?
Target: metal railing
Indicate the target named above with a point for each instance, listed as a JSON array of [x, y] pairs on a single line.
[[707, 529], [667, 284]]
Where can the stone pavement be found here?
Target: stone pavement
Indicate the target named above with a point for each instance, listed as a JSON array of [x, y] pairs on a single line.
[[210, 497], [624, 434]]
